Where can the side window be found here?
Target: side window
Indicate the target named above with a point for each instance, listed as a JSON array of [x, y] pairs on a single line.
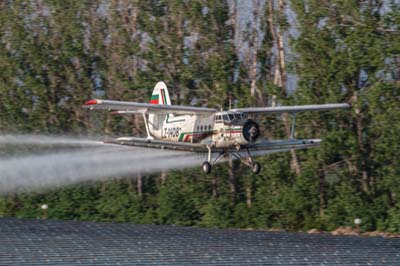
[[201, 128], [209, 127]]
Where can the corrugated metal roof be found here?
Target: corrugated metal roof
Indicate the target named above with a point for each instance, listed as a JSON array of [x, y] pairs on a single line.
[[49, 242]]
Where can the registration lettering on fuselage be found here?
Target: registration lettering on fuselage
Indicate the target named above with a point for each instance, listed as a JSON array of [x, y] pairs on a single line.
[[170, 132]]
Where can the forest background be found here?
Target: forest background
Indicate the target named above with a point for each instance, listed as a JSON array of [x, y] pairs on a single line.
[[55, 55]]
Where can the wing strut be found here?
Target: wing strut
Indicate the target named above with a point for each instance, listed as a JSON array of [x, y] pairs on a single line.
[[147, 126], [293, 125]]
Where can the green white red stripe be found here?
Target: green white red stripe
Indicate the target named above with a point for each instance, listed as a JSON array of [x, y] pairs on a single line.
[[155, 98]]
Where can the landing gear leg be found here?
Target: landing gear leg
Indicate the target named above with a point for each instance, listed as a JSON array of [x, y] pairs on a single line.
[[255, 166], [207, 165]]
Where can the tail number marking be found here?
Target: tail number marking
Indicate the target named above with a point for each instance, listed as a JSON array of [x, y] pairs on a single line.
[[171, 132]]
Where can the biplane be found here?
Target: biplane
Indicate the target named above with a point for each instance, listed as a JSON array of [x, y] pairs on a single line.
[[221, 134]]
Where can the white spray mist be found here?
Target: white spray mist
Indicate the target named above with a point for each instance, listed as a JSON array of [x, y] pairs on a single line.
[[64, 166]]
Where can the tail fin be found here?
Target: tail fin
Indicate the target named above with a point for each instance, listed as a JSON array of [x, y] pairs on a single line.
[[160, 94]]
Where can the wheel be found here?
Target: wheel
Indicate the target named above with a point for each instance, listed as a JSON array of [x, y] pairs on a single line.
[[256, 168], [206, 167]]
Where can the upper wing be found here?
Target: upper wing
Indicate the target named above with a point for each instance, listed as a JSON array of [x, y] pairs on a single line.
[[147, 108], [293, 109]]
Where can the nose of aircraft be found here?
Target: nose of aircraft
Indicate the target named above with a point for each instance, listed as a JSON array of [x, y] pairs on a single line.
[[251, 131]]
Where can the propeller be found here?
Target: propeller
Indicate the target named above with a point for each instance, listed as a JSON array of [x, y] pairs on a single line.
[[251, 131]]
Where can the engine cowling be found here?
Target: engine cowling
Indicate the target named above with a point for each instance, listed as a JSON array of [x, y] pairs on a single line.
[[251, 131]]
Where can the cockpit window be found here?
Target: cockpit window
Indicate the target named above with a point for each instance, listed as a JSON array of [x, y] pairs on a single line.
[[231, 117], [218, 118], [226, 118]]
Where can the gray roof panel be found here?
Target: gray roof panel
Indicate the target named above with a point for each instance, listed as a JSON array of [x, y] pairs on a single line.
[[49, 242]]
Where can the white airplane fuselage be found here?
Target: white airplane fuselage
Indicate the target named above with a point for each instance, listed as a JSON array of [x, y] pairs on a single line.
[[224, 129]]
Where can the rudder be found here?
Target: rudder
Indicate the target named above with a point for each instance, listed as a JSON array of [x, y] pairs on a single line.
[[160, 94]]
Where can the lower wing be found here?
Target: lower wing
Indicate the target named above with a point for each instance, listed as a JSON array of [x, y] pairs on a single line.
[[256, 149], [158, 144], [284, 144]]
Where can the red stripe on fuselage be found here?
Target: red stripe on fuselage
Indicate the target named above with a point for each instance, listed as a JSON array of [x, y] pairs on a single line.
[[186, 139], [206, 134], [154, 101]]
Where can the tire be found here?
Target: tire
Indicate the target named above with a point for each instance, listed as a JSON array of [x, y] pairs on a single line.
[[206, 167], [256, 168]]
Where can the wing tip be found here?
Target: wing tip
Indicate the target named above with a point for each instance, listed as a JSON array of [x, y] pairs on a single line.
[[91, 102]]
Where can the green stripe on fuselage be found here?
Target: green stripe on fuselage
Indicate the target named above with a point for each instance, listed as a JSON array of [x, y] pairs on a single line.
[[154, 97], [181, 136], [174, 121]]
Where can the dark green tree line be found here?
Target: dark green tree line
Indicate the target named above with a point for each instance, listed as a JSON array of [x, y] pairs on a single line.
[[54, 55]]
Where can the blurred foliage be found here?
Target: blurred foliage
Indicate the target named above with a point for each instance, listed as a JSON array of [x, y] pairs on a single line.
[[54, 55]]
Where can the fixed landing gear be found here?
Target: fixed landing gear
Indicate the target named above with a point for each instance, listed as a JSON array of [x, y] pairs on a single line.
[[255, 166], [207, 165]]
